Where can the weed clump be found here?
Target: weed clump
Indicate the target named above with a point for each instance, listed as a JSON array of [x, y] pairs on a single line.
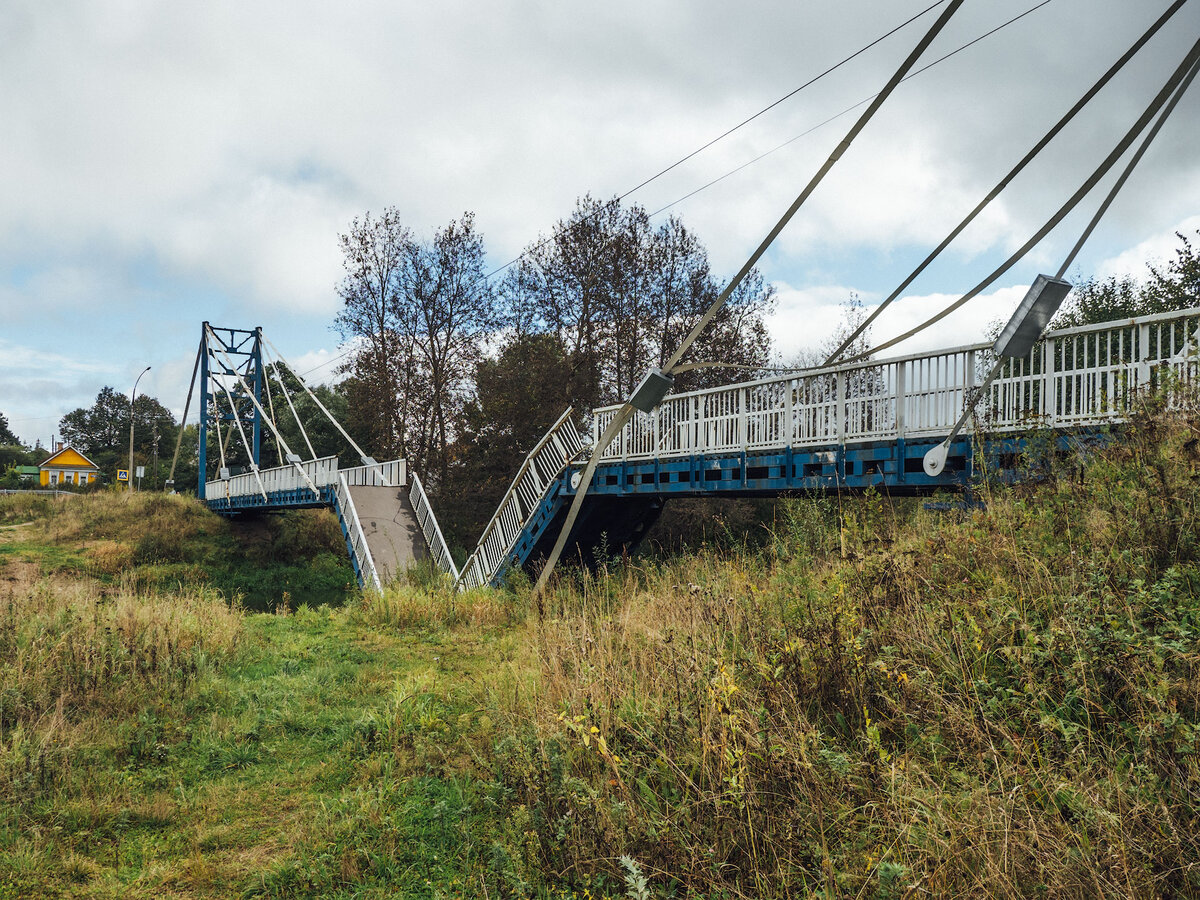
[[68, 652]]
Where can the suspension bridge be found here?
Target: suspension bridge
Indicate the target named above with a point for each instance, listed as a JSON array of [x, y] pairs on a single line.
[[907, 425], [839, 428]]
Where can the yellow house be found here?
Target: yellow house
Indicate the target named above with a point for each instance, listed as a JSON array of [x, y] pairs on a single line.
[[68, 466]]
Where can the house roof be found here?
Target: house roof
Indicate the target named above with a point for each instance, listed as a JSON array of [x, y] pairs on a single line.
[[27, 470], [63, 460]]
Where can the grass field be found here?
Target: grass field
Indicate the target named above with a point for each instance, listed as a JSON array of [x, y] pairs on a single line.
[[871, 701]]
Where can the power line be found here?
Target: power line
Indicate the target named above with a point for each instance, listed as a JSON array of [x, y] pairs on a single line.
[[695, 152], [847, 110], [727, 133]]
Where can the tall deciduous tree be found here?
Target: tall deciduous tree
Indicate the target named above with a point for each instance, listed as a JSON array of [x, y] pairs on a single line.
[[622, 294], [420, 312], [374, 252], [452, 310], [101, 431]]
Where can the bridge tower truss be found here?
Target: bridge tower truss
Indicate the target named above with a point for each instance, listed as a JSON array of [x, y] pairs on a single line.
[[231, 360]]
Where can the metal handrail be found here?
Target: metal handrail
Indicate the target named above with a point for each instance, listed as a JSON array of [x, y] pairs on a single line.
[[321, 472], [430, 528], [368, 574], [1156, 318], [1073, 375], [541, 467]]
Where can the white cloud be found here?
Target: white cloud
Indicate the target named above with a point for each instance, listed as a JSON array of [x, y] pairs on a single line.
[[1156, 249], [168, 163], [805, 319]]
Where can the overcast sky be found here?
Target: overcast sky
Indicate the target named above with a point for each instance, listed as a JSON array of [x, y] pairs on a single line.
[[163, 163]]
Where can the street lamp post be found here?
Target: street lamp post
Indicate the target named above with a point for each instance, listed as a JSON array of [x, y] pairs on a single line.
[[132, 397]]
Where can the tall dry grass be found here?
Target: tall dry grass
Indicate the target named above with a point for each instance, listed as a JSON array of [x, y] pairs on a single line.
[[886, 702], [426, 600], [74, 652]]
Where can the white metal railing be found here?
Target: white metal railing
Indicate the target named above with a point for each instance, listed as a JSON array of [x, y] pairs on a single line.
[[546, 462], [368, 574], [430, 528], [1073, 376], [395, 473], [321, 472]]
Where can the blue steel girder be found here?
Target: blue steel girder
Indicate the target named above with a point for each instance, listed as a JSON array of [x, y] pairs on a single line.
[[275, 501], [893, 467]]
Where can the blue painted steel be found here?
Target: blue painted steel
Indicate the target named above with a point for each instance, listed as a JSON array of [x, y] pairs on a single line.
[[556, 496], [345, 526], [235, 343], [884, 464], [276, 501], [257, 385], [893, 467], [203, 411]]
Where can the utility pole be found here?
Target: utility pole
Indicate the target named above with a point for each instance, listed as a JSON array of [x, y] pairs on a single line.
[[132, 397], [156, 485]]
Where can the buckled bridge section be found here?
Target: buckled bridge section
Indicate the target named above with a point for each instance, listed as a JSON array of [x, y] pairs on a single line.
[[841, 428]]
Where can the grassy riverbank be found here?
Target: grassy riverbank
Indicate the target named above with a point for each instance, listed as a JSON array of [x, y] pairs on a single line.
[[878, 701]]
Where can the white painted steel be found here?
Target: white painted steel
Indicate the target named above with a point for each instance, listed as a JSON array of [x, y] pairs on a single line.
[[546, 462], [430, 528], [321, 472], [1073, 376], [358, 541], [388, 474]]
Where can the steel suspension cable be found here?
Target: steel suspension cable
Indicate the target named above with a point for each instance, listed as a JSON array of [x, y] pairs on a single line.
[[217, 424], [271, 425], [271, 403], [288, 397], [1007, 179], [366, 460], [1138, 127], [186, 406], [237, 419], [1133, 163], [627, 410], [935, 459]]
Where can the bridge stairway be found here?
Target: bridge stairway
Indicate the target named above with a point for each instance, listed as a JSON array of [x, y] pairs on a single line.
[[382, 509], [389, 529], [529, 507]]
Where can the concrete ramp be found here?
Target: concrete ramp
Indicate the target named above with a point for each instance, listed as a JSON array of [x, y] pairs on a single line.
[[390, 527]]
